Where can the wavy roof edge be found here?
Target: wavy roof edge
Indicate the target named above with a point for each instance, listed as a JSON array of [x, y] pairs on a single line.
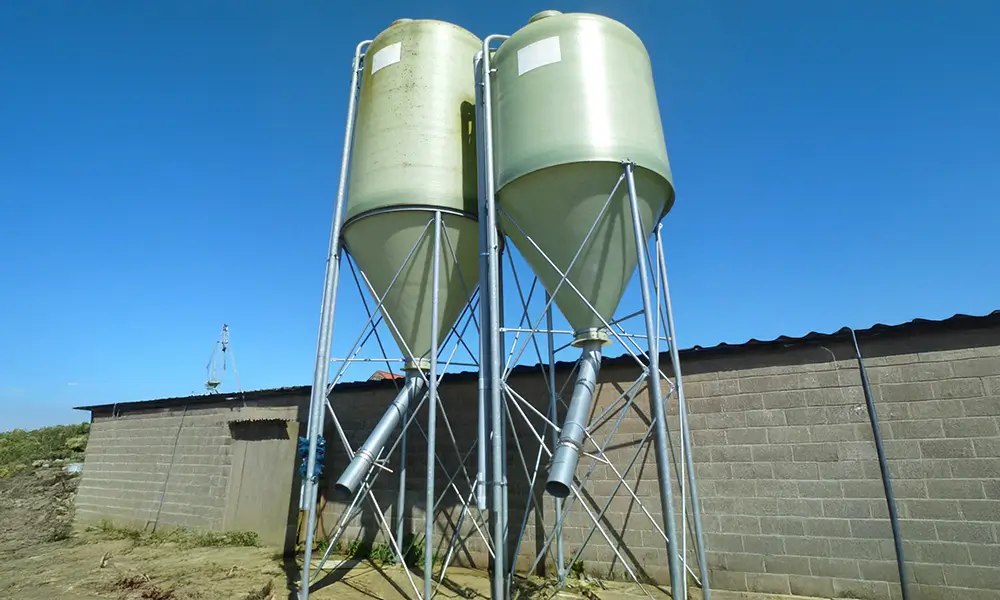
[[958, 321]]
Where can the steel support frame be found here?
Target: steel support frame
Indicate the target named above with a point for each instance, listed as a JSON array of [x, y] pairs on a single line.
[[393, 535], [320, 405], [502, 400]]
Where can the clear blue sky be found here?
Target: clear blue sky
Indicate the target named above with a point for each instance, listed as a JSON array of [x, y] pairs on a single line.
[[167, 167]]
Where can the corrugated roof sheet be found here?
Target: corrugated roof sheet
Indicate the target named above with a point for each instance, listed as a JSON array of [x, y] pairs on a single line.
[[955, 322], [958, 321]]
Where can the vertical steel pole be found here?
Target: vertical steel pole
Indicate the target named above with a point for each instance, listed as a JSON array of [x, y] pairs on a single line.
[[504, 418], [488, 213], [482, 450], [401, 500], [432, 399], [659, 414], [675, 359], [554, 416], [328, 306]]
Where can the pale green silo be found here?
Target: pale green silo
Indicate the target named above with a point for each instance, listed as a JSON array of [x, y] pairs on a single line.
[[414, 153], [572, 101], [573, 97]]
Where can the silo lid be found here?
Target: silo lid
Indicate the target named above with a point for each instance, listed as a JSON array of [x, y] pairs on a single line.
[[544, 14]]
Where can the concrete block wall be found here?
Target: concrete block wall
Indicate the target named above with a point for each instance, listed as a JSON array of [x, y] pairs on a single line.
[[786, 467], [790, 489], [790, 483], [129, 458], [173, 467]]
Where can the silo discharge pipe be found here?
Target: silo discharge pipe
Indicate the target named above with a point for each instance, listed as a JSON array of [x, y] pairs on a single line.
[[394, 415], [568, 448]]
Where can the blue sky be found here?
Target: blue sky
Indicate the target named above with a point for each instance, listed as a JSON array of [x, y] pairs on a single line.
[[167, 167]]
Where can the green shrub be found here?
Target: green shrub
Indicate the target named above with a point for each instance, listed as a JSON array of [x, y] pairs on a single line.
[[414, 553], [180, 536], [356, 550], [382, 555], [11, 470], [20, 448]]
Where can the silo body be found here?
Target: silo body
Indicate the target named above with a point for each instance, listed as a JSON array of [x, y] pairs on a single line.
[[573, 98], [413, 154], [414, 151]]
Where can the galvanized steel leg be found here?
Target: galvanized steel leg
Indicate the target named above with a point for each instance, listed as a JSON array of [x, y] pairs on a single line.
[[401, 500], [554, 415], [482, 451], [432, 412], [328, 306], [659, 413], [706, 587], [488, 219]]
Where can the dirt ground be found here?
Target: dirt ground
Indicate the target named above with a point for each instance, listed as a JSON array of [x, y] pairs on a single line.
[[35, 507], [42, 557]]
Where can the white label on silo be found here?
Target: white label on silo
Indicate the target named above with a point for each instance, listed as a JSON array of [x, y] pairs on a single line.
[[386, 56], [541, 53]]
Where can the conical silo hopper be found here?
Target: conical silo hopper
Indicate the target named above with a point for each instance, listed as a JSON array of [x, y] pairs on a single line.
[[572, 100], [413, 154]]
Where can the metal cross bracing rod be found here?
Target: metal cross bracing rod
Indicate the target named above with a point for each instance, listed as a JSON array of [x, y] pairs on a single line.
[[362, 338], [660, 291], [402, 440], [576, 492], [564, 279], [454, 332], [533, 475], [629, 395], [374, 319], [656, 400], [638, 353], [549, 423], [377, 469], [617, 331], [684, 424], [377, 466], [469, 308], [526, 318]]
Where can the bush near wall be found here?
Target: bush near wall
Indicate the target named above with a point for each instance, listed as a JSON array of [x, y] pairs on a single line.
[[20, 449]]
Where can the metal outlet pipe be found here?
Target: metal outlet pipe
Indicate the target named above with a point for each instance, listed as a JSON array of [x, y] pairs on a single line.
[[567, 451], [394, 415]]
